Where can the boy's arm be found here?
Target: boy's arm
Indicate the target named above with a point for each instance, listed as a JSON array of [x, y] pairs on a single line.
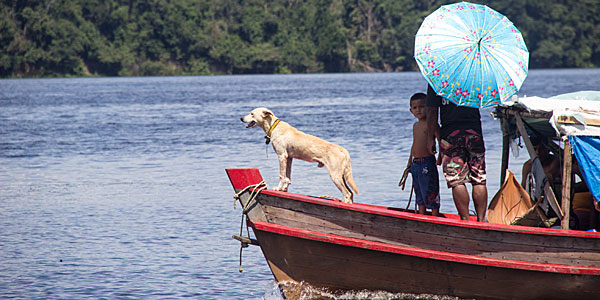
[[402, 182], [410, 156]]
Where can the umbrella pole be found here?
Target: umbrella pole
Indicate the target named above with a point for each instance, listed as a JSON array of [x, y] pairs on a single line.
[[505, 148]]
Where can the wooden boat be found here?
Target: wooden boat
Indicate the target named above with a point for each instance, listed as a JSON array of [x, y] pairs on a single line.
[[339, 246]]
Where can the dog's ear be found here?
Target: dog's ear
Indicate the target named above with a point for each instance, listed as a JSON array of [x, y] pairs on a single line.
[[267, 113]]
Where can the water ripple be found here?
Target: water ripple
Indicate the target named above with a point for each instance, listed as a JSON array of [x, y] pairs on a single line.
[[114, 188]]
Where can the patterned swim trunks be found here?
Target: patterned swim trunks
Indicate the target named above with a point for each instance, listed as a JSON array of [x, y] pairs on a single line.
[[463, 158]]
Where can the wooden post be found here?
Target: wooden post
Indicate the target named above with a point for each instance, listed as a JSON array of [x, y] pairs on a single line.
[[547, 189], [566, 184], [505, 147], [525, 136]]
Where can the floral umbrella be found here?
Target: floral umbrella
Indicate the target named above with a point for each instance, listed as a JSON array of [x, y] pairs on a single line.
[[471, 54]]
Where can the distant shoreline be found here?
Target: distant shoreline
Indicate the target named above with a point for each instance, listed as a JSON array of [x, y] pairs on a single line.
[[256, 74]]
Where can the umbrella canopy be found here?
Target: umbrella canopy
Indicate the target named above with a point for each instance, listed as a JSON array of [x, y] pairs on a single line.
[[471, 54]]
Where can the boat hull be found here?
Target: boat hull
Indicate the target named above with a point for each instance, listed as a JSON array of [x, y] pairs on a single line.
[[347, 264], [357, 246]]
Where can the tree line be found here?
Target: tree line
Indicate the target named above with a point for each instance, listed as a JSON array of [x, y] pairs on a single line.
[[49, 38]]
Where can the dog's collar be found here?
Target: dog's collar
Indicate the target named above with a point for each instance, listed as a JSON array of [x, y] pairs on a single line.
[[268, 136]]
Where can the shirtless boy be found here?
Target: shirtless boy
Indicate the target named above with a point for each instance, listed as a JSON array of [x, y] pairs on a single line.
[[422, 162]]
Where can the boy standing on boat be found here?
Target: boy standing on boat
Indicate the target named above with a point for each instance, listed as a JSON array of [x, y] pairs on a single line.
[[462, 149], [422, 162]]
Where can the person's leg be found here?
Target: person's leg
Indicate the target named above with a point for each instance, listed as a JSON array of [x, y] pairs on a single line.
[[461, 200], [432, 201], [477, 174], [480, 201], [417, 174], [455, 168]]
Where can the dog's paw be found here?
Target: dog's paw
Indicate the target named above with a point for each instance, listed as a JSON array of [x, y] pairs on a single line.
[[281, 188]]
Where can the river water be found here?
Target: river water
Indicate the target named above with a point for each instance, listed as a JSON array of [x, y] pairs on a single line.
[[115, 187]]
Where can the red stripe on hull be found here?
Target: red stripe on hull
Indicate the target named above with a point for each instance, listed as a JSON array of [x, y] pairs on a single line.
[[425, 253]]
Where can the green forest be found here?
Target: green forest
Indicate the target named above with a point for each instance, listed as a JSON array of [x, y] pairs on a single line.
[[61, 38]]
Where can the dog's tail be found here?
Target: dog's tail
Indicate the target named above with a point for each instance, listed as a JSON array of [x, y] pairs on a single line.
[[348, 175]]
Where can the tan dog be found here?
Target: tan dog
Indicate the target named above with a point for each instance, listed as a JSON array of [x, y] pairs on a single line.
[[290, 143]]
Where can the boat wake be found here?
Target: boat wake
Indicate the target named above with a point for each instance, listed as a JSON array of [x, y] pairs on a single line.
[[304, 291]]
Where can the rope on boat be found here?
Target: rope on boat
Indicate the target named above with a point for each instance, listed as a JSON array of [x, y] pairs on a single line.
[[256, 189], [412, 188]]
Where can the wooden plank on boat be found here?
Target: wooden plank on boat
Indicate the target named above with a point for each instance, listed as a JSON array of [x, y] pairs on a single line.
[[524, 113], [246, 240], [424, 235], [566, 183], [241, 178], [573, 120]]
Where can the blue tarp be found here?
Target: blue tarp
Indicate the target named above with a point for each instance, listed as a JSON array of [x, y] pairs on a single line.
[[587, 153]]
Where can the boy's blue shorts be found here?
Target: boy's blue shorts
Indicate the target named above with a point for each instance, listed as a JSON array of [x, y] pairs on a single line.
[[426, 181]]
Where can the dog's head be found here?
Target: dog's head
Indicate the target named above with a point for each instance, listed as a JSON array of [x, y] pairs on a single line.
[[259, 116]]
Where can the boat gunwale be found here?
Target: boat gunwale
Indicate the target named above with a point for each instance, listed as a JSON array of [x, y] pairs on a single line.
[[392, 212], [422, 253]]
